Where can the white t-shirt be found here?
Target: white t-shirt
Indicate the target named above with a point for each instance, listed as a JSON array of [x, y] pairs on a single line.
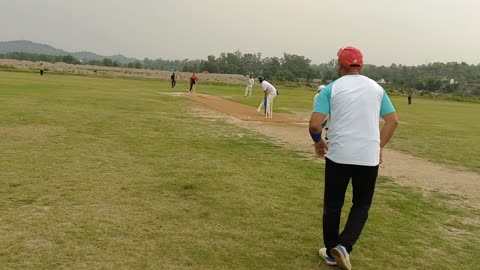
[[354, 104], [271, 90], [250, 81]]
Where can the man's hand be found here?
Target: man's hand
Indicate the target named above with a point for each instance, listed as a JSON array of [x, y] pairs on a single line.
[[381, 155], [321, 148]]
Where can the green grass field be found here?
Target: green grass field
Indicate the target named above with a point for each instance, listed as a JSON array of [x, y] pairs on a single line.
[[108, 174], [441, 131]]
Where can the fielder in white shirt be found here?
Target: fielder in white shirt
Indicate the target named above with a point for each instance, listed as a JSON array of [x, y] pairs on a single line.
[[248, 90]]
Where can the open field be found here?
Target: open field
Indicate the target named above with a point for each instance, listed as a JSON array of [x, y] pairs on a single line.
[[114, 72], [289, 131], [108, 174], [441, 131]]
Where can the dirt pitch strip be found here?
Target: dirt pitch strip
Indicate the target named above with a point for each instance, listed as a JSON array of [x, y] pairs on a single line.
[[290, 131]]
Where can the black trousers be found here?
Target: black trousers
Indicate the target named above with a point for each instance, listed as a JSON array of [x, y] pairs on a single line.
[[337, 177], [409, 100], [174, 83]]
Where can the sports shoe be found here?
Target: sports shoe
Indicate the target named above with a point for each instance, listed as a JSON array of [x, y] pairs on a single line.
[[340, 254], [328, 260]]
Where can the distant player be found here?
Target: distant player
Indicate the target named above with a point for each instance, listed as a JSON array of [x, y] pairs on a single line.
[[248, 90], [41, 69], [173, 78], [320, 88], [324, 124], [410, 95], [270, 93], [193, 83]]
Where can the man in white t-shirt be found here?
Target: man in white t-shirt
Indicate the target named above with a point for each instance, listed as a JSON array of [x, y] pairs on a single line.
[[270, 92], [354, 104], [248, 90]]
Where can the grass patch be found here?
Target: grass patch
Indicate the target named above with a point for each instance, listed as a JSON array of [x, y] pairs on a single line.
[[107, 174], [444, 132], [441, 131]]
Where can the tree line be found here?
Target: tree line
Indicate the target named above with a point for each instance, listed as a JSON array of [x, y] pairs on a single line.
[[292, 67], [432, 77], [448, 77], [289, 67]]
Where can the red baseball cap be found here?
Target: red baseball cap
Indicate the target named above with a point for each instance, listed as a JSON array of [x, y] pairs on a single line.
[[350, 58]]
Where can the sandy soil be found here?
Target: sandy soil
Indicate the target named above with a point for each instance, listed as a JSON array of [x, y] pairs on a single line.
[[291, 132]]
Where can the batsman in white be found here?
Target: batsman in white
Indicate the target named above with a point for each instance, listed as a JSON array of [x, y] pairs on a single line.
[[270, 93], [248, 90]]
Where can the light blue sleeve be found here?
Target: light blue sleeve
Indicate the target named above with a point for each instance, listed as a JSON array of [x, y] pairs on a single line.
[[322, 104], [386, 107]]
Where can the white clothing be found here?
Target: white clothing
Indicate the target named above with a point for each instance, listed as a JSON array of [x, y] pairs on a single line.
[[354, 104], [248, 90], [272, 93], [269, 88], [270, 99]]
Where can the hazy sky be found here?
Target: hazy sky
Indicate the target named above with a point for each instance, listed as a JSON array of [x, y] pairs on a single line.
[[407, 32]]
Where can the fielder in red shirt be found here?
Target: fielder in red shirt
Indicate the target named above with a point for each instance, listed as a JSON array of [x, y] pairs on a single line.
[[193, 83]]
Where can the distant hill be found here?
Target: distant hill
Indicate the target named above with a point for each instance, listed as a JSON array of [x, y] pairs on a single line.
[[29, 47], [36, 48]]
